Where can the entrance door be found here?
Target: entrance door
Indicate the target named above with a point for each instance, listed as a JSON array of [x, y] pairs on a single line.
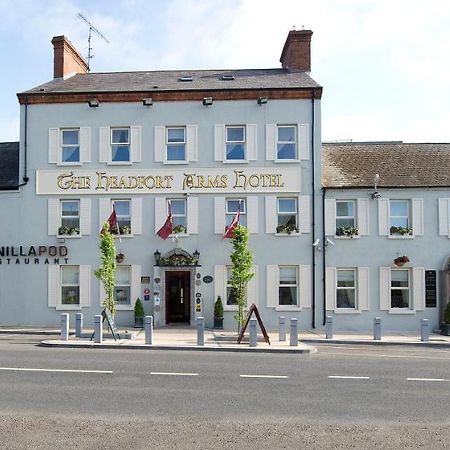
[[178, 303]]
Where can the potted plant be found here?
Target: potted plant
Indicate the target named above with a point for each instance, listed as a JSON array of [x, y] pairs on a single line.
[[288, 228], [445, 326], [218, 313], [120, 257], [179, 229], [347, 231], [138, 314], [402, 231], [401, 260]]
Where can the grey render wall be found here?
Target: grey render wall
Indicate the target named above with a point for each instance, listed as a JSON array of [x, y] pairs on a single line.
[[429, 251], [23, 288]]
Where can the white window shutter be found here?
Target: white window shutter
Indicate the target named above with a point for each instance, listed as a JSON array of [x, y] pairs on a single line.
[[54, 216], [54, 286], [191, 143], [160, 143], [385, 288], [271, 214], [383, 216], [85, 285], [330, 216], [330, 288], [135, 150], [417, 216], [85, 216], [54, 139], [252, 214], [271, 142], [219, 142], [304, 211], [104, 145], [444, 228], [363, 216], [192, 215], [363, 289], [219, 215], [273, 280], [104, 211], [136, 215], [135, 290], [85, 144], [303, 141], [418, 288], [220, 283], [305, 286], [251, 138], [102, 294], [160, 212], [252, 288]]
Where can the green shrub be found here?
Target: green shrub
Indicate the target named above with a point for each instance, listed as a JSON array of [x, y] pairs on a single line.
[[218, 308], [138, 308]]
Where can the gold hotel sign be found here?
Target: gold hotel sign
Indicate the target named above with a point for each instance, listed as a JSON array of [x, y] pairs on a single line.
[[254, 179]]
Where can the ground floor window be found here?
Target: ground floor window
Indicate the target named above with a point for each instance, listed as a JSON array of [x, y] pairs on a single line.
[[400, 288], [231, 296], [70, 285], [345, 288], [288, 286], [122, 288]]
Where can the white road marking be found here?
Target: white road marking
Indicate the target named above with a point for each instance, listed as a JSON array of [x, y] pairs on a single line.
[[342, 377], [427, 379], [181, 374], [382, 355], [25, 369], [265, 376]]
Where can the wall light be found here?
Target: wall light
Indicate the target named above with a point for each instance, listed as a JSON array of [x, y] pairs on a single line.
[[147, 101], [262, 100], [207, 101], [93, 102]]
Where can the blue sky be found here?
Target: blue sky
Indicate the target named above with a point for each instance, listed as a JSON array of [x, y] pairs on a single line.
[[384, 64]]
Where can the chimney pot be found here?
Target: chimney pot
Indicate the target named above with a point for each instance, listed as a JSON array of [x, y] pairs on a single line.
[[67, 61], [296, 54]]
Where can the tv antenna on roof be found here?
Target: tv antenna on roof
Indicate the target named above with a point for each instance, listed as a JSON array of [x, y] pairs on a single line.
[[91, 29]]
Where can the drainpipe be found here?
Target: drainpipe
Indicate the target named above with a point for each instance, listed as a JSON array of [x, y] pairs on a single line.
[[313, 212], [324, 191], [25, 177]]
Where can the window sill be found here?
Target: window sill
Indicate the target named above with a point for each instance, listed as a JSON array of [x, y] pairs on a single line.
[[402, 311], [346, 238], [68, 308], [61, 163], [235, 161], [180, 235], [347, 311], [181, 161], [400, 236], [287, 308], [119, 163], [287, 234], [286, 161], [120, 236], [230, 308], [124, 307], [69, 236]]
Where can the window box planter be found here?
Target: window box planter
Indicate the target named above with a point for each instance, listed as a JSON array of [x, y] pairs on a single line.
[[122, 230], [402, 231], [68, 231], [179, 229], [347, 231], [287, 229]]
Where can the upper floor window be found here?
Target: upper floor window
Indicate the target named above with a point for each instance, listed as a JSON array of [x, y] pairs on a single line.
[[122, 288], [286, 142], [120, 144], [176, 143], [399, 217], [70, 146], [345, 288], [288, 286], [232, 205], [400, 288], [179, 215], [70, 285], [70, 217], [235, 143], [123, 214], [287, 215], [345, 218]]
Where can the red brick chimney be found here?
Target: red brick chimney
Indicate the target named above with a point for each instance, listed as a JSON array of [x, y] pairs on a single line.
[[67, 61], [296, 54]]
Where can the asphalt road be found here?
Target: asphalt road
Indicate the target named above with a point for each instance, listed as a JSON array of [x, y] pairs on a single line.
[[340, 397]]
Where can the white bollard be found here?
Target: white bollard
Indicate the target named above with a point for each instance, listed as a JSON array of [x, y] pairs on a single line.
[[282, 328], [78, 324], [200, 331], [329, 327], [377, 329], [98, 329], [252, 332], [64, 327], [293, 336], [424, 331], [148, 329]]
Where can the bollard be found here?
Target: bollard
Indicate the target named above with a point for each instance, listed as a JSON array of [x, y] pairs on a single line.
[[294, 333], [98, 329], [64, 327], [78, 324], [424, 331], [329, 328], [377, 329], [148, 329], [253, 332], [200, 331], [282, 328]]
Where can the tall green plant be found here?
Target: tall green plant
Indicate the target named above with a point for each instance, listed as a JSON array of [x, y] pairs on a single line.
[[242, 261], [106, 273]]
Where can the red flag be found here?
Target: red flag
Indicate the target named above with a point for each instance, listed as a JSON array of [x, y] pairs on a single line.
[[233, 225], [166, 230], [112, 221]]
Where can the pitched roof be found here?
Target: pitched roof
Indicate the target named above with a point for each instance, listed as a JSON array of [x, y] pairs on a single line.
[[9, 165], [169, 80], [354, 164]]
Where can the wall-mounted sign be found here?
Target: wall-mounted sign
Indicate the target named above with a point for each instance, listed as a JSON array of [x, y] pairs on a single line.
[[146, 298], [430, 288], [145, 280], [207, 279], [198, 294], [33, 254], [146, 291]]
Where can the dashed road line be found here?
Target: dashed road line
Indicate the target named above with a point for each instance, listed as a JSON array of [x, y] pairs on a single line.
[[175, 374], [426, 379], [283, 377], [344, 377], [27, 369]]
